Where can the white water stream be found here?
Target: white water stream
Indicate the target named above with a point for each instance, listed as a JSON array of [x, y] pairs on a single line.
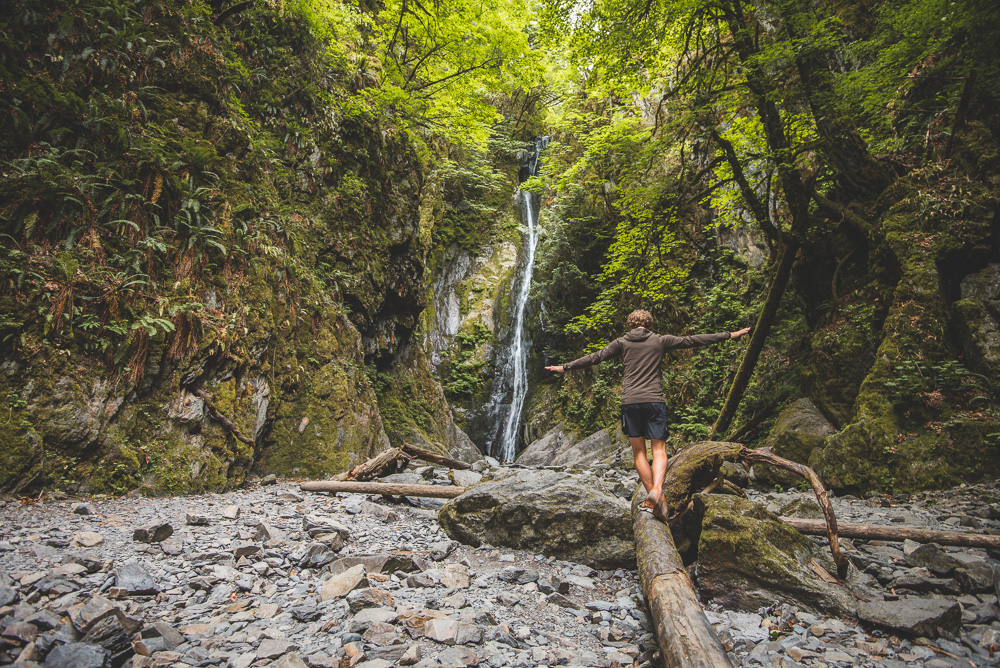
[[515, 373]]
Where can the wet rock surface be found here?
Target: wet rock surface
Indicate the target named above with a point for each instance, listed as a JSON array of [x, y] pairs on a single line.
[[256, 591]]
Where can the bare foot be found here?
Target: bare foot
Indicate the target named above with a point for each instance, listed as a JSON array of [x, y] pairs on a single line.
[[661, 510]]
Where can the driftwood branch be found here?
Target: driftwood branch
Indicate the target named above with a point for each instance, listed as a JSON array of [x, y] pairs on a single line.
[[434, 458], [222, 419], [896, 533], [685, 635], [750, 457], [374, 466], [386, 488], [381, 463]]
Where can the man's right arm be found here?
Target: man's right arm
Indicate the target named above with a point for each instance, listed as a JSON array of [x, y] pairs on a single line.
[[613, 349]]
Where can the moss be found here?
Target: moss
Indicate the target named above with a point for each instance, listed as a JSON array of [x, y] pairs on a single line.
[[326, 415], [413, 406]]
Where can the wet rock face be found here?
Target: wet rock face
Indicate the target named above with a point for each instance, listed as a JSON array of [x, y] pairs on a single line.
[[556, 513], [747, 559]]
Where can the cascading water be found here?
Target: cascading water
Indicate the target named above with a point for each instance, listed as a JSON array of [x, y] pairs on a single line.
[[513, 366]]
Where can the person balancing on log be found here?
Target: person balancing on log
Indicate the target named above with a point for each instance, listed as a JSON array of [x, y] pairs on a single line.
[[644, 411]]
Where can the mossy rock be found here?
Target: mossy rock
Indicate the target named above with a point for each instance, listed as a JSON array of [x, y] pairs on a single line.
[[747, 558], [799, 430]]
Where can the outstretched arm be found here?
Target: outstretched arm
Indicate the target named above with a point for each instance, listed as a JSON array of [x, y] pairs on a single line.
[[695, 340], [613, 349]]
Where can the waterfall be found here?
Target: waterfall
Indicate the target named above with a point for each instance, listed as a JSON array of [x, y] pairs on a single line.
[[514, 372]]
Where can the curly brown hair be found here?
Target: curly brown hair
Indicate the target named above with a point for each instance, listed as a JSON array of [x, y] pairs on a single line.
[[639, 318]]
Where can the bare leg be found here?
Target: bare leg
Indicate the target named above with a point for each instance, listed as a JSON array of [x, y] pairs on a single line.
[[641, 463], [659, 474], [659, 462]]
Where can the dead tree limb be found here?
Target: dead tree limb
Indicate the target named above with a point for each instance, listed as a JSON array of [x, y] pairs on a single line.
[[897, 533], [686, 637], [434, 458], [386, 488], [761, 456]]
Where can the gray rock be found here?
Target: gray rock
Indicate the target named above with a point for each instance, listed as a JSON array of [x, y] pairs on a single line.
[[440, 550], [913, 616], [383, 562], [977, 319], [114, 636], [77, 655], [7, 595], [581, 522], [452, 632], [976, 577], [933, 558], [272, 649], [170, 636], [317, 555], [196, 520], [87, 539], [458, 657], [83, 509], [561, 448], [315, 525], [365, 618], [20, 632], [342, 583], [134, 579], [153, 533]]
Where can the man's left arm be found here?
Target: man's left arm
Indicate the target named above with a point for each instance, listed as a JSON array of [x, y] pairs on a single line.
[[696, 340]]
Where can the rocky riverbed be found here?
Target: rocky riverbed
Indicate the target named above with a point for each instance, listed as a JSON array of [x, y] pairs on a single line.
[[273, 576]]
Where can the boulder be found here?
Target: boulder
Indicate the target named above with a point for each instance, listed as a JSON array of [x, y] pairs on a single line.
[[460, 446], [748, 558], [597, 447], [559, 447], [913, 616], [545, 449], [800, 429], [553, 512]]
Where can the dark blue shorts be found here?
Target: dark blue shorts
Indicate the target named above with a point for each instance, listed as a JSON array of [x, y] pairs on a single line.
[[649, 420]]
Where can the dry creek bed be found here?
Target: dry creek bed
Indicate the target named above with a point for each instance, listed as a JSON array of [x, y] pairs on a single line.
[[268, 576]]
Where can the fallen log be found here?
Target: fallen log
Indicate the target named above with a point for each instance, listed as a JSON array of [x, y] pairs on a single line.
[[433, 457], [686, 637], [385, 488], [896, 533]]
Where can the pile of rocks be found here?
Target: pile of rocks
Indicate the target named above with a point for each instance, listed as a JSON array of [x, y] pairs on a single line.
[[270, 576]]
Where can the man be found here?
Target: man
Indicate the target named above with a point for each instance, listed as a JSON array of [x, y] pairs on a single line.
[[644, 412]]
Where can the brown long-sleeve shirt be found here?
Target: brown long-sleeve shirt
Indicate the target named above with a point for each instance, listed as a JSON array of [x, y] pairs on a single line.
[[642, 352]]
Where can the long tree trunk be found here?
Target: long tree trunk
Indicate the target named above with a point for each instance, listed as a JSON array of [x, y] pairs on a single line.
[[796, 197], [757, 338]]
